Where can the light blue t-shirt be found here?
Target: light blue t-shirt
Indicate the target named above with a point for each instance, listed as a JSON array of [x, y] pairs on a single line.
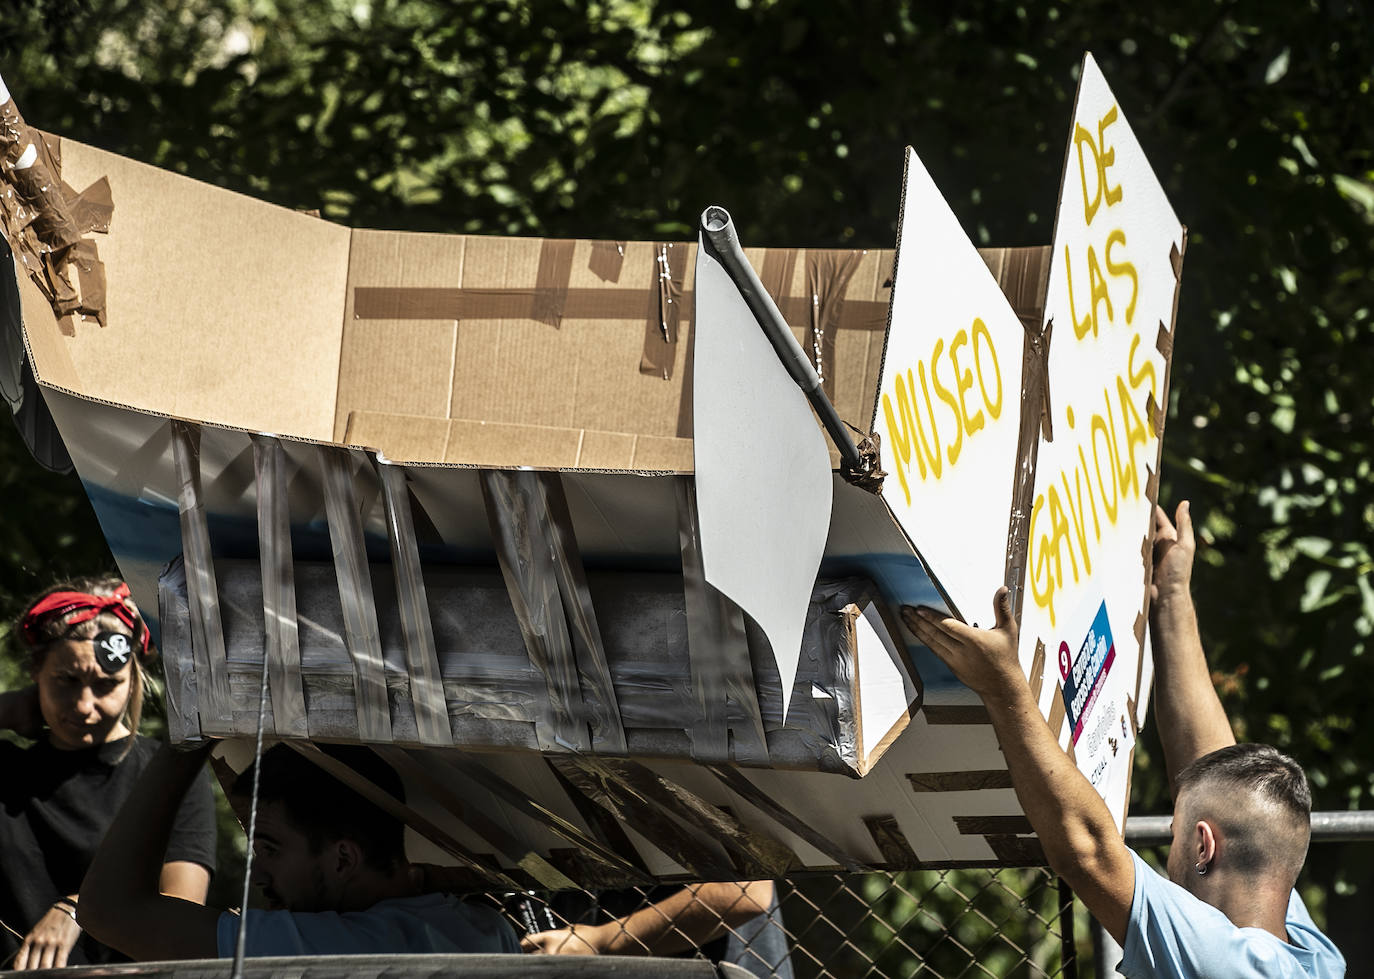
[[1174, 935], [438, 923]]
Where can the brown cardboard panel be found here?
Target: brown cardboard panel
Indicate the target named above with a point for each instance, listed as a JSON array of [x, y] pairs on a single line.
[[390, 365], [408, 438], [220, 307], [396, 436], [399, 367], [654, 454], [607, 450]]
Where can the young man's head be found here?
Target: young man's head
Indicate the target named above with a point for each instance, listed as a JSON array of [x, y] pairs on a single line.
[[319, 845], [1241, 813]]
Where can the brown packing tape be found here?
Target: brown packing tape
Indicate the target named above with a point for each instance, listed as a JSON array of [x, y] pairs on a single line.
[[776, 274], [995, 825], [660, 337], [44, 221], [579, 303], [606, 260], [959, 781], [551, 280], [1017, 851], [90, 277], [828, 273], [93, 208], [1036, 677], [892, 843]]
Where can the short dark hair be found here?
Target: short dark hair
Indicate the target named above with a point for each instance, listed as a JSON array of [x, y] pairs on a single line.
[[1267, 774], [325, 809]]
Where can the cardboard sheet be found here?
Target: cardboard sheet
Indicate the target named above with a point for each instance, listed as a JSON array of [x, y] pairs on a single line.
[[1112, 298], [949, 405]]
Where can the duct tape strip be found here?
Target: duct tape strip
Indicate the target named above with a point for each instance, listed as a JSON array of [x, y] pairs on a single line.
[[551, 280], [202, 593], [717, 652], [422, 660], [281, 630], [757, 854], [540, 871], [361, 633], [738, 783], [521, 533], [892, 843], [606, 260], [178, 658], [827, 280], [660, 334], [697, 854], [607, 829], [959, 781], [522, 802], [598, 689], [482, 864]]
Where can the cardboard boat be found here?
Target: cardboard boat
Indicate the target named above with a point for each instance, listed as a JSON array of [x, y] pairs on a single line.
[[444, 490]]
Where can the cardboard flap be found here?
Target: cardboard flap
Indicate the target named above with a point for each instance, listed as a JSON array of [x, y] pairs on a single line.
[[220, 308]]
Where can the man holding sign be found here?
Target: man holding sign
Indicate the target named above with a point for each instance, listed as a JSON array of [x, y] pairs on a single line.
[[1241, 811]]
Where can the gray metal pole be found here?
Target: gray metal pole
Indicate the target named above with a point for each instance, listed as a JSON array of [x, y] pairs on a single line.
[[719, 232]]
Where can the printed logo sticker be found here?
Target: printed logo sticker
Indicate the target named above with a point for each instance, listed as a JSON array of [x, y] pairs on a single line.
[[112, 651], [1084, 680]]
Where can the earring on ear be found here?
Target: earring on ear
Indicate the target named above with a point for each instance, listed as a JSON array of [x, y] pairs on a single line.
[[1201, 870]]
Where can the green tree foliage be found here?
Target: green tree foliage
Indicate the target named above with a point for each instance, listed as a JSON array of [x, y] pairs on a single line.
[[623, 118]]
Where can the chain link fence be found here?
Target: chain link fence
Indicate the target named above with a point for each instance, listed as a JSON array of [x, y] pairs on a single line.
[[947, 924]]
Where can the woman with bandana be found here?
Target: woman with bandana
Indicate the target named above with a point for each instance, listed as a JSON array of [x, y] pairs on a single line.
[[86, 648]]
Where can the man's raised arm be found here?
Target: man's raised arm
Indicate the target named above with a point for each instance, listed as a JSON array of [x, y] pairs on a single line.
[[121, 901], [1075, 827], [1188, 714]]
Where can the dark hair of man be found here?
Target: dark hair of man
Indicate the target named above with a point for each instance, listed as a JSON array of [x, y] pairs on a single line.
[[1267, 776], [326, 810]]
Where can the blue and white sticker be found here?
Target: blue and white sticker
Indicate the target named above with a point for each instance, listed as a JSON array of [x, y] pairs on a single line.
[[1085, 673]]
